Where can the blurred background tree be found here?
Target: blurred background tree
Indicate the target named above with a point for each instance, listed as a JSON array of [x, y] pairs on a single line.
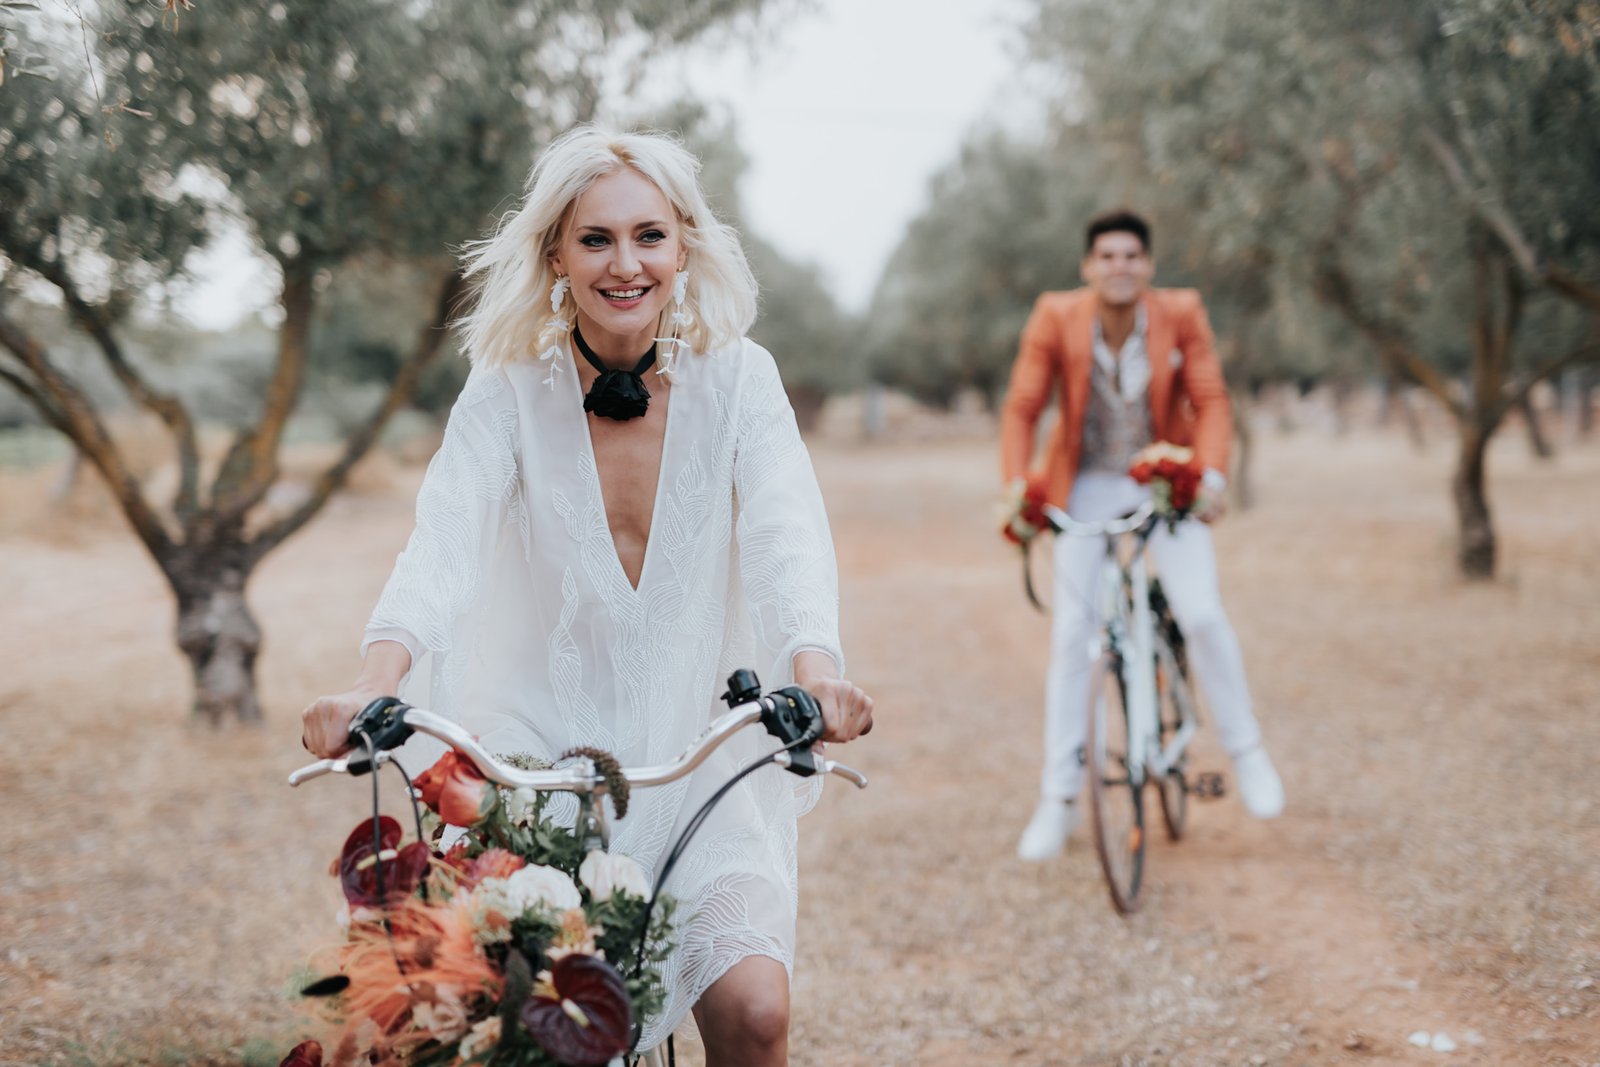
[[814, 341], [338, 137], [1002, 225], [1426, 171]]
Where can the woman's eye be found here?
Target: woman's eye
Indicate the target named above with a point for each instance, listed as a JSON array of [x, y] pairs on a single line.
[[651, 237], [592, 240]]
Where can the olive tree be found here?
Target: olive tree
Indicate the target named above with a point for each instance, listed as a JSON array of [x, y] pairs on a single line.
[[1426, 170], [329, 132]]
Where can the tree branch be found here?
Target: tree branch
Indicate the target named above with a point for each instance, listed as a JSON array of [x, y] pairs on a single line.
[[1333, 285], [1487, 206], [35, 396], [430, 341], [1484, 204], [1586, 353], [166, 407], [75, 417], [251, 465]]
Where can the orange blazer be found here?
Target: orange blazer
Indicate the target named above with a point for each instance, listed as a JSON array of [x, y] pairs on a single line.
[[1188, 401]]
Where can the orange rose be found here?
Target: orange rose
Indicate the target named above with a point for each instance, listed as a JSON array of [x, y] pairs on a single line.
[[456, 790]]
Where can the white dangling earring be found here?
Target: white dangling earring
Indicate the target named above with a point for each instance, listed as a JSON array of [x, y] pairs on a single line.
[[554, 333], [676, 345]]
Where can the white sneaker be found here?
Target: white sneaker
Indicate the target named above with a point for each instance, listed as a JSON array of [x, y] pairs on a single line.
[[1259, 785], [1052, 823]]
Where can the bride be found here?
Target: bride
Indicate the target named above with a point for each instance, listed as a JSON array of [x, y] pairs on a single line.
[[621, 513]]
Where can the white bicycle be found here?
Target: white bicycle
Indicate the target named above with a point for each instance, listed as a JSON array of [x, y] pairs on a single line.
[[791, 715], [1142, 710]]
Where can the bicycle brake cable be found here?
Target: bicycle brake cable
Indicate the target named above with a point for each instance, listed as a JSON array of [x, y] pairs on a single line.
[[810, 737]]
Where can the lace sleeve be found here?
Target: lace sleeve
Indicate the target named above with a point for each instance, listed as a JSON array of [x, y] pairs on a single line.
[[470, 495], [786, 562]]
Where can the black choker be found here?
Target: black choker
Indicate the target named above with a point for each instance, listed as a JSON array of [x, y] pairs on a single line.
[[616, 394]]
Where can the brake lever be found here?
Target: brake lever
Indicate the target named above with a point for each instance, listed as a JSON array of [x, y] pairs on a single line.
[[805, 763], [336, 766]]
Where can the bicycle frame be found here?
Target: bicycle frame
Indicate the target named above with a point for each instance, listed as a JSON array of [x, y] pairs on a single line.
[[789, 715], [1128, 638]]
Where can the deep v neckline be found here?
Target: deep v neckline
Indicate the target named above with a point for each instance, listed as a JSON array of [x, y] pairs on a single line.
[[600, 492]]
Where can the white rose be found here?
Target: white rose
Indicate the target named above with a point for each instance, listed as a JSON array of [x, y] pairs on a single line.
[[534, 885], [483, 1037], [445, 1017], [607, 874], [519, 806]]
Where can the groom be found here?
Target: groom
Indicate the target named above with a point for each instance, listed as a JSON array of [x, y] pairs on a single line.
[[1129, 365]]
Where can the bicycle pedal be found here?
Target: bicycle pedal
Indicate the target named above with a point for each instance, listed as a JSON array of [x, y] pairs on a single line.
[[1209, 785]]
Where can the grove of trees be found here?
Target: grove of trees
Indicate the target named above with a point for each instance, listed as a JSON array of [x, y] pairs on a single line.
[[345, 138], [1416, 183]]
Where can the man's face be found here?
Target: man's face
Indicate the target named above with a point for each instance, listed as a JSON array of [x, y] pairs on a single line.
[[1118, 268]]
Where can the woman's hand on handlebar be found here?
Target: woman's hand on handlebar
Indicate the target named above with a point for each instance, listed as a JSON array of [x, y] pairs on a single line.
[[846, 708], [325, 723]]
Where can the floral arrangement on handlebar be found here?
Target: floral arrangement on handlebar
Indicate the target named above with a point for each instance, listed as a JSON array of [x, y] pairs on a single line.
[[511, 949], [1021, 512], [1174, 478]]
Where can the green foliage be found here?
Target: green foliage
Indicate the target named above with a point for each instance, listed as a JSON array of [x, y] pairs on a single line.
[[1004, 223], [813, 341], [1282, 140]]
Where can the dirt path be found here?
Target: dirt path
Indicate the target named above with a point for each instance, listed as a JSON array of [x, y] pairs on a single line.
[[1436, 870]]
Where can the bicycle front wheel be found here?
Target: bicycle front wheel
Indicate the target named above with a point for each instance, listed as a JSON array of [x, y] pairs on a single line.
[[1116, 794]]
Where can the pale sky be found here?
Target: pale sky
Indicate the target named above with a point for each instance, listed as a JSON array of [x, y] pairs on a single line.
[[849, 111], [845, 111]]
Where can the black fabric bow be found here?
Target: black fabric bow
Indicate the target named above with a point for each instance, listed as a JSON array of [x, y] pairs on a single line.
[[616, 394]]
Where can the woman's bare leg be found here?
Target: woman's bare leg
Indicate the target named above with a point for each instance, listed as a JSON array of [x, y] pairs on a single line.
[[744, 1016]]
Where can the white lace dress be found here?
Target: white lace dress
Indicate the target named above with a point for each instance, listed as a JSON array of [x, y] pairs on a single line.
[[523, 627]]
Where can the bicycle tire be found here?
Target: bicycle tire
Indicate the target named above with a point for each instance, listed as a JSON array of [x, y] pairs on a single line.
[[1173, 787], [1175, 703], [1116, 798]]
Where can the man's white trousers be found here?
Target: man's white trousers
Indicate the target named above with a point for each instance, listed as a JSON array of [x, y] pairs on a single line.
[[1187, 567]]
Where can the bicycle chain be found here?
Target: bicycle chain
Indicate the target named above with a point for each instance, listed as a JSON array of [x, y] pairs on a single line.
[[606, 765]]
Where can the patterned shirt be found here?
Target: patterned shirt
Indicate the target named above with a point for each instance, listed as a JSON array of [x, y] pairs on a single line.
[[1116, 421]]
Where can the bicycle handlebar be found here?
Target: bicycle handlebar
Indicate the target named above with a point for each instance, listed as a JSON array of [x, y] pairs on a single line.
[[793, 720], [1141, 518]]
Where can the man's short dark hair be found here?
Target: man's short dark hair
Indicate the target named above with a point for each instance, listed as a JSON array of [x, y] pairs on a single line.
[[1120, 220]]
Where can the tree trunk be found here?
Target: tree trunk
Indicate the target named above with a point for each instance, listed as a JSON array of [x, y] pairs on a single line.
[[1343, 389], [1476, 547], [219, 635], [1586, 385], [1397, 397], [807, 401], [1244, 493], [1536, 436]]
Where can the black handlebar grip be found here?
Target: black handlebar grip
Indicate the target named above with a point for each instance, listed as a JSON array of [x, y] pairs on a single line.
[[383, 721], [794, 715]]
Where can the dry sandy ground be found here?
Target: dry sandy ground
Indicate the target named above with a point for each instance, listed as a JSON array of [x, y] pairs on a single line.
[[1438, 867]]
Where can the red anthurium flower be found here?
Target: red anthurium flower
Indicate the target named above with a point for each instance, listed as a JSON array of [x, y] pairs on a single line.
[[358, 866], [305, 1054], [582, 1016], [455, 789]]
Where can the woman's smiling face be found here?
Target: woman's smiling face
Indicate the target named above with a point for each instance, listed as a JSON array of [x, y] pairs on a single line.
[[620, 249]]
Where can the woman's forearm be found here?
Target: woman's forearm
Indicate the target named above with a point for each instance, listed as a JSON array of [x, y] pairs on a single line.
[[386, 663], [811, 665]]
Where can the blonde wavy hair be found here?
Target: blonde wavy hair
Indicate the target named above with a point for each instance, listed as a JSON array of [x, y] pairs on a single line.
[[511, 272]]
